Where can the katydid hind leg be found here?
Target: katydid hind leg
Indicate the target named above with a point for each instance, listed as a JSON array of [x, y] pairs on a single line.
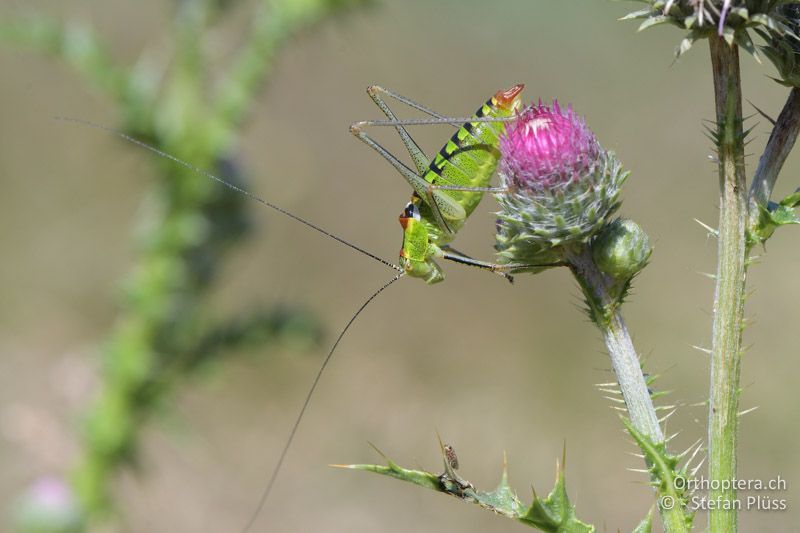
[[421, 161], [417, 182], [443, 206], [409, 102]]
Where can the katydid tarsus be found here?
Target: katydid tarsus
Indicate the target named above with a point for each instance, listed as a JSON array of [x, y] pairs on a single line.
[[445, 192]]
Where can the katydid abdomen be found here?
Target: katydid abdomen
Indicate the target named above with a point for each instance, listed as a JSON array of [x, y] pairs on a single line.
[[468, 160]]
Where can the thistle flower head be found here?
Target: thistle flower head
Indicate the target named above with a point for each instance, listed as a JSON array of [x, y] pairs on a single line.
[[546, 147], [562, 186]]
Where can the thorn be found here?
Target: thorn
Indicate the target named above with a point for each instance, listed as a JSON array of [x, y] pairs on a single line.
[[668, 439], [637, 455], [620, 409], [708, 275], [696, 446], [704, 350], [609, 391], [747, 411], [617, 400], [638, 470], [609, 384], [708, 228], [378, 450], [666, 407], [697, 468], [694, 454], [666, 416], [760, 112], [661, 393]]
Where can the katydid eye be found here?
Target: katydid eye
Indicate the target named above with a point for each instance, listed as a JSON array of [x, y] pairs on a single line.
[[411, 211]]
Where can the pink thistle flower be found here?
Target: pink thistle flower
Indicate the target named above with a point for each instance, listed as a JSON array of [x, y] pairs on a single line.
[[562, 186], [546, 147]]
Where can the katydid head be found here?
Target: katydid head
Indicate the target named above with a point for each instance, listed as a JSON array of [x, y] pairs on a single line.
[[510, 99], [416, 255]]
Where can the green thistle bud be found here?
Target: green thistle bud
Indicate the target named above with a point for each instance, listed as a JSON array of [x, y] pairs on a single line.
[[622, 249], [562, 186]]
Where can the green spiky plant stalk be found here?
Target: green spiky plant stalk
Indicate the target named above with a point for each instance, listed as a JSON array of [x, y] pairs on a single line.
[[729, 295], [164, 332], [563, 190], [746, 218], [604, 293]]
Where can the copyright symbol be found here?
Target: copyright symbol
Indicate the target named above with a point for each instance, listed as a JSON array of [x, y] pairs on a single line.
[[667, 502], [679, 482]]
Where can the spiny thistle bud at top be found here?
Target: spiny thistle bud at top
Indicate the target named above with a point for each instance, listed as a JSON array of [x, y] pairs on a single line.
[[562, 186], [729, 19], [622, 249]]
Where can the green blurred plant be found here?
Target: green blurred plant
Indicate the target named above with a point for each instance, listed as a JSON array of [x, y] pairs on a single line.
[[164, 331]]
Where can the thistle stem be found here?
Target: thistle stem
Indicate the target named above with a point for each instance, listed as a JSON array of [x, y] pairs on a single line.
[[600, 291], [730, 284], [781, 141], [605, 312]]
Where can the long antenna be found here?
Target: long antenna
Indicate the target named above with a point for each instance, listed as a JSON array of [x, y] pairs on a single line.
[[279, 464], [227, 184]]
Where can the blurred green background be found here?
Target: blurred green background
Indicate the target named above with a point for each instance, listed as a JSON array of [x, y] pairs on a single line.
[[490, 366]]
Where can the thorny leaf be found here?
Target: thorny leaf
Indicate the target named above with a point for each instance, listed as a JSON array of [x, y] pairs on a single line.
[[553, 514]]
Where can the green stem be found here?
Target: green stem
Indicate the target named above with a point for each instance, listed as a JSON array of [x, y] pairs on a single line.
[[730, 284], [601, 295], [598, 289]]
